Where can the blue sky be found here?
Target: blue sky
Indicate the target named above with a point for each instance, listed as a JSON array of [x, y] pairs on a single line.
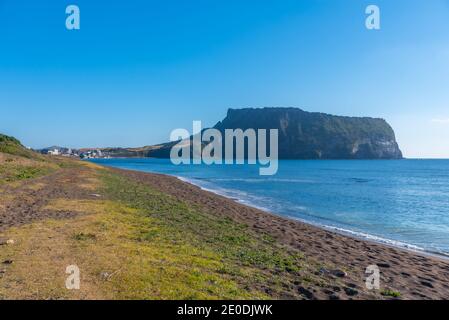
[[137, 70]]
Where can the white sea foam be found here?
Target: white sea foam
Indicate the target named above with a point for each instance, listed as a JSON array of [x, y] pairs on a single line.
[[265, 180], [374, 238], [235, 195]]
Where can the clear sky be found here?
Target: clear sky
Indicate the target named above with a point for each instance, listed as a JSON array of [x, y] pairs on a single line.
[[138, 69]]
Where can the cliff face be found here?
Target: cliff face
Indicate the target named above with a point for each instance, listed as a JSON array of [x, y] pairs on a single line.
[[313, 135]]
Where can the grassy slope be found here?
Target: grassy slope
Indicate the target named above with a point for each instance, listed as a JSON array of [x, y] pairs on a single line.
[[12, 146], [17, 163]]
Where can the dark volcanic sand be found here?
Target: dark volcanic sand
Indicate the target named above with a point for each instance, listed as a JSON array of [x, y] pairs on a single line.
[[414, 275]]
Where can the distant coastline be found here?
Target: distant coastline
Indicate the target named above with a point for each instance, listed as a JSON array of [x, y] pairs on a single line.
[[301, 135]]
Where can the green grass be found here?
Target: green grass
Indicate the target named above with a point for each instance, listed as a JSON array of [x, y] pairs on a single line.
[[254, 259], [114, 263], [224, 235], [390, 293], [11, 172], [80, 236]]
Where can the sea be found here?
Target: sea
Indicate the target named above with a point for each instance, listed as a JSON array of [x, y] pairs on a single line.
[[402, 203]]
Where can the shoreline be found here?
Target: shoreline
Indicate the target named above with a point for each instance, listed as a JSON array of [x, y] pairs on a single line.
[[416, 275], [340, 231], [423, 247], [359, 235]]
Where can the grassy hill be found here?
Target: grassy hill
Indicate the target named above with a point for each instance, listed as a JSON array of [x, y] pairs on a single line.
[[19, 163], [12, 146]]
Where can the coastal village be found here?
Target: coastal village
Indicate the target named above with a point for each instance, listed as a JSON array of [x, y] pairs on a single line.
[[74, 153]]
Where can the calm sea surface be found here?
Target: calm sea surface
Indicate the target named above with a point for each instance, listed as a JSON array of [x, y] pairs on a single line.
[[401, 202]]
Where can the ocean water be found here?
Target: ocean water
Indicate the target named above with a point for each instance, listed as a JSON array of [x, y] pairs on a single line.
[[400, 202]]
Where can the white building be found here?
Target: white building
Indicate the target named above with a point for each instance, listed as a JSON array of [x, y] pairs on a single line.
[[54, 152]]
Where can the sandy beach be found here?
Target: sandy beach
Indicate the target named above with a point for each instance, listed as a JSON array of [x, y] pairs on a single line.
[[415, 275]]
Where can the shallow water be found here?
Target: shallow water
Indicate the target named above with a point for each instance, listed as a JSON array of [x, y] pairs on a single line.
[[401, 202]]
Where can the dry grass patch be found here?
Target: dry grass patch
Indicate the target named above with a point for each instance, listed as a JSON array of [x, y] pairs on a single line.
[[91, 180], [115, 262], [92, 165], [36, 186], [15, 169], [91, 184], [5, 199]]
